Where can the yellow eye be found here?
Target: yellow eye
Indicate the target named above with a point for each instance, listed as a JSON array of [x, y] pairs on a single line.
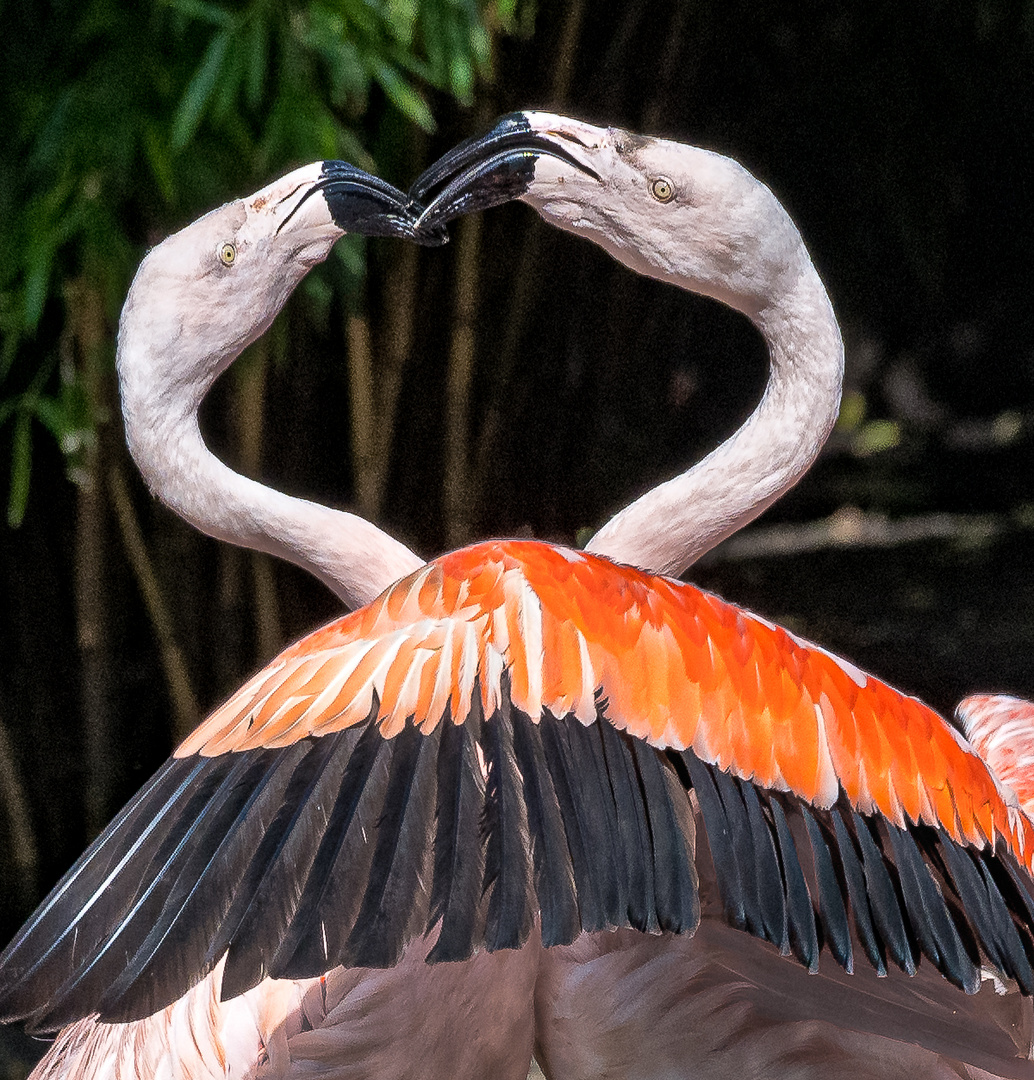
[[227, 253], [662, 189]]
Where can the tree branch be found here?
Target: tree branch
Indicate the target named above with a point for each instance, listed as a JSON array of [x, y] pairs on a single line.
[[851, 528]]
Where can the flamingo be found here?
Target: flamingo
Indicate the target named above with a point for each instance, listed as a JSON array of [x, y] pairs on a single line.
[[585, 991], [513, 745], [198, 300]]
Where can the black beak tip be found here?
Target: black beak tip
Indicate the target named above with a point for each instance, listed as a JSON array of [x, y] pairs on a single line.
[[366, 205], [506, 129], [430, 234], [489, 170]]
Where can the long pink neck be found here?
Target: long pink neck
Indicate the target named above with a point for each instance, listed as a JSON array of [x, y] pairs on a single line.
[[352, 557], [670, 527]]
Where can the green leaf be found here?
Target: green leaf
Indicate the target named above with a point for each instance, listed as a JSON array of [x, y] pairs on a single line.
[[360, 13], [461, 79], [350, 250], [401, 17], [481, 47], [319, 295], [506, 11], [324, 135], [348, 74], [875, 437], [226, 94], [39, 260], [403, 96], [202, 12], [195, 98], [258, 51], [351, 149], [67, 418], [52, 416], [434, 41], [157, 151], [21, 469]]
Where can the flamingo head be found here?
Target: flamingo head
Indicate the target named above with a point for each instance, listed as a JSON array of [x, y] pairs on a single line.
[[665, 209]]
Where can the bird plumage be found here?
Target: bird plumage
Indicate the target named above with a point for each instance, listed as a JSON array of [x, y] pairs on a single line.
[[576, 788], [424, 763], [1001, 729]]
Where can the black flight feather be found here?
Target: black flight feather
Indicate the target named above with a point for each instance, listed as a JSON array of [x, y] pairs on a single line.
[[929, 915], [886, 903], [1022, 899], [1016, 959], [554, 874], [672, 839], [766, 870], [742, 847], [40, 958], [599, 816], [143, 817], [508, 863], [175, 950], [831, 908], [330, 902], [632, 829], [804, 941], [271, 888], [719, 840], [581, 839], [1013, 884], [459, 847], [100, 961], [977, 906], [395, 902], [854, 875]]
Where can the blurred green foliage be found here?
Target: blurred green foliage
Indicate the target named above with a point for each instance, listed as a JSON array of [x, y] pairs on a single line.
[[124, 118]]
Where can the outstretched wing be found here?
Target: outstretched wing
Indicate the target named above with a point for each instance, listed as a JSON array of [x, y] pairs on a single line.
[[512, 733]]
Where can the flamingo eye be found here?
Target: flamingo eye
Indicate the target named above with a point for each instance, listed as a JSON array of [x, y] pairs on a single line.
[[662, 189], [227, 253]]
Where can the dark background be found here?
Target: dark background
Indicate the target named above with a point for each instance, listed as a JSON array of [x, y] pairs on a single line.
[[899, 137]]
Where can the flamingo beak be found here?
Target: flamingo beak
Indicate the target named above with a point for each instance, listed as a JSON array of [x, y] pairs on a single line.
[[491, 169], [360, 203]]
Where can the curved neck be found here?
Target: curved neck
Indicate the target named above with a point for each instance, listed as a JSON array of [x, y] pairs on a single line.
[[670, 527], [352, 557]]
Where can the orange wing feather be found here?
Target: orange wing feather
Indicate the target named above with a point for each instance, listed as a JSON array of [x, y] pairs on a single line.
[[470, 752], [676, 666]]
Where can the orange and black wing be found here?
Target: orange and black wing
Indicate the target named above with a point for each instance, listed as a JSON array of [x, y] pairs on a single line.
[[338, 849], [512, 734]]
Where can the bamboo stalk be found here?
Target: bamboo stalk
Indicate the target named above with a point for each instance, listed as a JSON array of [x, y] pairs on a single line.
[[23, 851], [457, 504], [251, 393], [525, 280], [567, 50], [364, 412], [177, 679], [84, 341], [396, 346], [672, 66]]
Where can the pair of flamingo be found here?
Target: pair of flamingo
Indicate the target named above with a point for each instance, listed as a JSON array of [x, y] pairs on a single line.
[[465, 823]]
